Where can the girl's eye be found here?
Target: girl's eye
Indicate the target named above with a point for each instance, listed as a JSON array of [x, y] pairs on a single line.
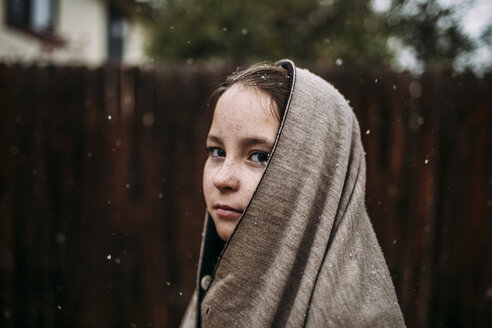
[[216, 152], [260, 157]]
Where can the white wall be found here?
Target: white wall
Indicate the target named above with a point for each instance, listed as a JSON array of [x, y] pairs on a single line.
[[133, 48], [82, 24]]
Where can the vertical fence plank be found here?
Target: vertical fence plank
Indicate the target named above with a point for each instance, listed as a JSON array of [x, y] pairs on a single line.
[[11, 83]]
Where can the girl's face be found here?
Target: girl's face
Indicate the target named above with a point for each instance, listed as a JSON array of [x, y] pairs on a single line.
[[239, 143]]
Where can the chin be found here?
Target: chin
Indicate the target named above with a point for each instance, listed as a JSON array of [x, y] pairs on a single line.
[[224, 230]]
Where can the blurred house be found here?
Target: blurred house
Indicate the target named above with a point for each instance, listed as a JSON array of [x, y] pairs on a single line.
[[81, 32]]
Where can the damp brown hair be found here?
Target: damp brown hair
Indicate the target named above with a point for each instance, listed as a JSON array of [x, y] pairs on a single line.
[[272, 79]]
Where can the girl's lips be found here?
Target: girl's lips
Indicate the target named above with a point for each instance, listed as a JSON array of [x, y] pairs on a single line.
[[227, 212]]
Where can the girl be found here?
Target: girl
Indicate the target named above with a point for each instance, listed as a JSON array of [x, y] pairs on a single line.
[[287, 241]]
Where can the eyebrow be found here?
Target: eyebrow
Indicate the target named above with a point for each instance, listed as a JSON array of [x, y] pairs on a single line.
[[252, 141]]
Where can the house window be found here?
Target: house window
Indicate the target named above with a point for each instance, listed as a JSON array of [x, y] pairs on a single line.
[[36, 16], [117, 30]]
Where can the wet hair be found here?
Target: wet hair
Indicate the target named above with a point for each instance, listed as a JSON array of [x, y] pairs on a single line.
[[272, 79]]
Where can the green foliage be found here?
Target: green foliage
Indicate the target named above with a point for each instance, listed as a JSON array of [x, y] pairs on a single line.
[[327, 31], [431, 30], [246, 31]]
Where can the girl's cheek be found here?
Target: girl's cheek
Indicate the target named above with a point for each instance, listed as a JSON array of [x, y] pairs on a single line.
[[252, 177]]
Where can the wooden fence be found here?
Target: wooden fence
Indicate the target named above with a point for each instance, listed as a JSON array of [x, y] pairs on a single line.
[[101, 208]]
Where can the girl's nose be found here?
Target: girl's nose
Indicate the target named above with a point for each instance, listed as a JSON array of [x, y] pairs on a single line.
[[227, 177]]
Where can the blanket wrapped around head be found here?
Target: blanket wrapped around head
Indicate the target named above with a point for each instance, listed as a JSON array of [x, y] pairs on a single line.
[[304, 253]]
